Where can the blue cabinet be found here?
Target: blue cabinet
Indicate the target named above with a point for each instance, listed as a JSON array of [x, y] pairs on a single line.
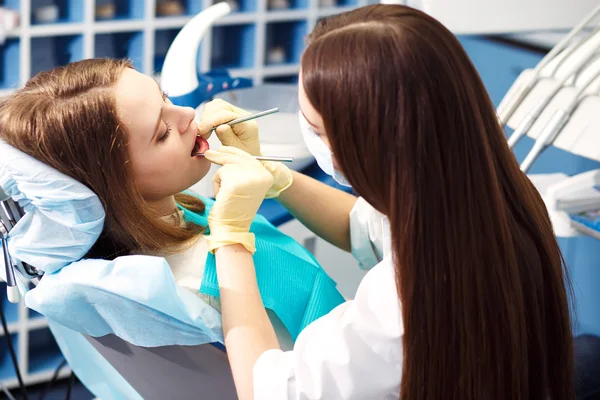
[[9, 64]]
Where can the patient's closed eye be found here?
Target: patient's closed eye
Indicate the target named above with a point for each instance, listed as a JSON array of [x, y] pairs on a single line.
[[166, 134]]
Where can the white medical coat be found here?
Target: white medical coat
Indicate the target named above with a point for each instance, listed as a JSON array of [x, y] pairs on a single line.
[[355, 351]]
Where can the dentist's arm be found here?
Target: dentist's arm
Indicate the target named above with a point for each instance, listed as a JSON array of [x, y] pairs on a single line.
[[321, 208], [246, 327], [240, 185]]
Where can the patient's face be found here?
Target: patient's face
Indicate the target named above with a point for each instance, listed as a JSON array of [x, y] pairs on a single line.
[[162, 137]]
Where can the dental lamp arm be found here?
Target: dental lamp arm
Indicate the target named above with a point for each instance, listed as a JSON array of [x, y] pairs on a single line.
[[321, 208], [556, 124], [534, 114], [550, 132], [507, 109]]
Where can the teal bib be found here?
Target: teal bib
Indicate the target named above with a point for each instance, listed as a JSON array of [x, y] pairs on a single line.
[[290, 280]]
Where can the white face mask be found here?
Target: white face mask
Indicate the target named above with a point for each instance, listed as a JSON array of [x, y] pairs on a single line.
[[320, 151]]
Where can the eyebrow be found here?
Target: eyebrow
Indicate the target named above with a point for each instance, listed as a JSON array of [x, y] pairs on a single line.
[[310, 123], [159, 115]]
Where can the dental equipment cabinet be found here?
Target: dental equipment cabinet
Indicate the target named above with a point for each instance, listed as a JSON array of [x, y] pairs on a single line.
[[240, 42]]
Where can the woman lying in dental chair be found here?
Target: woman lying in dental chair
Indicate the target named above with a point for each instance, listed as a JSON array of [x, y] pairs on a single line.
[[111, 128]]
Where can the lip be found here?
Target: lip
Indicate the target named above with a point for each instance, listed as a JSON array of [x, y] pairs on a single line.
[[200, 140], [203, 145], [194, 128]]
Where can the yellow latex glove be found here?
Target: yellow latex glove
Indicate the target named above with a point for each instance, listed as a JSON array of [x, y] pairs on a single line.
[[240, 186], [243, 136], [282, 178]]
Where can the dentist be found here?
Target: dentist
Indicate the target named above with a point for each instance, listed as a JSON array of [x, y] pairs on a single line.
[[466, 297]]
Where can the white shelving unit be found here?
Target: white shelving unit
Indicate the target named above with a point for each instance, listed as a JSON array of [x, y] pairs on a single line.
[[239, 43]]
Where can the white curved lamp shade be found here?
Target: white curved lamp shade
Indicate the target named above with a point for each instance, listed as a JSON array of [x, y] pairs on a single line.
[[179, 75]]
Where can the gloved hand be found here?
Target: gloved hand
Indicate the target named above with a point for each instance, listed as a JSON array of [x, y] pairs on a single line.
[[240, 186], [243, 136], [282, 178]]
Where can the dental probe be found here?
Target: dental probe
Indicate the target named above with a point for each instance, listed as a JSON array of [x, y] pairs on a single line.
[[247, 118], [260, 158]]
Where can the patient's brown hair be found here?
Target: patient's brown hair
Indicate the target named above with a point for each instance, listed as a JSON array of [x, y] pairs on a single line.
[[67, 118]]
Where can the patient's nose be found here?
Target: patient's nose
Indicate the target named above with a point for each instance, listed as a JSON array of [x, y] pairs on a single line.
[[186, 116]]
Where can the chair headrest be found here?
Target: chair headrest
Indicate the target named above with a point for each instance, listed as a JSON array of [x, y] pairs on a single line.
[[63, 218]]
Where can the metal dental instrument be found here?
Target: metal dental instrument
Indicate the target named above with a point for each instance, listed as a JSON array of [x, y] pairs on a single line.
[[504, 113], [558, 122], [533, 115], [248, 118], [262, 158]]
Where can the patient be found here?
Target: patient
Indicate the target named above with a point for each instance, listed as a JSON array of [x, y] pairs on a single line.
[[110, 127]]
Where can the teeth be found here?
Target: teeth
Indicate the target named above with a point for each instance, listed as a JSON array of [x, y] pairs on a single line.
[[196, 148]]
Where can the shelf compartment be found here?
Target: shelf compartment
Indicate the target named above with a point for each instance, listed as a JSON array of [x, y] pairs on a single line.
[[282, 5], [12, 4], [291, 79], [56, 11], [7, 369], [284, 42], [232, 46], [162, 41], [43, 352], [121, 45], [53, 51], [114, 10], [325, 4], [33, 315], [9, 64], [177, 8], [239, 6]]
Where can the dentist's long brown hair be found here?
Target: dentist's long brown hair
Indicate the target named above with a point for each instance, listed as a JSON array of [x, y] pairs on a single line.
[[479, 273]]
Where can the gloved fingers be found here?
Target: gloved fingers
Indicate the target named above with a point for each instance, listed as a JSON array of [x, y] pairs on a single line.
[[215, 118], [247, 132], [238, 110], [227, 136], [218, 112], [241, 157], [235, 179], [230, 155], [217, 179], [205, 136], [220, 104], [216, 186]]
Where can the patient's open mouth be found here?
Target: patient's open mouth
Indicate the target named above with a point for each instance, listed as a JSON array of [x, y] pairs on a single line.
[[200, 146]]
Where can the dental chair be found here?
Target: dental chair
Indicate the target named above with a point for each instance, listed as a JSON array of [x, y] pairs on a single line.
[[124, 327], [175, 350], [109, 366], [176, 372]]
